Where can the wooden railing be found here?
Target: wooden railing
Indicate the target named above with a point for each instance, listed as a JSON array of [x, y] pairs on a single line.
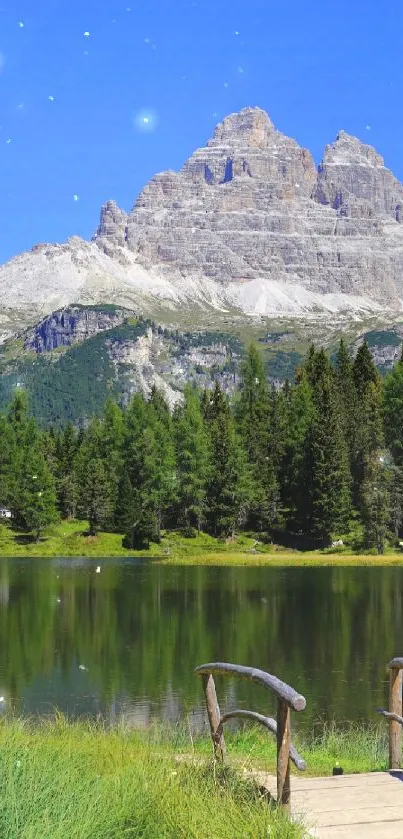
[[394, 715], [287, 699]]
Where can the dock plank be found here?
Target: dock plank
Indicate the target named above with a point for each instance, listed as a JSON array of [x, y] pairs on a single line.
[[349, 806]]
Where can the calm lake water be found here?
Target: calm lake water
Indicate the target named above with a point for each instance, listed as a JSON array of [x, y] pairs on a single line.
[[126, 640]]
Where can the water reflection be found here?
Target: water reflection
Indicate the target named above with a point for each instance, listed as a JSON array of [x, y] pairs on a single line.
[[126, 640]]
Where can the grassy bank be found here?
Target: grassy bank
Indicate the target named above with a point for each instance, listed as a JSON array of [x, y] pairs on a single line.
[[60, 780], [70, 538], [82, 781], [356, 748]]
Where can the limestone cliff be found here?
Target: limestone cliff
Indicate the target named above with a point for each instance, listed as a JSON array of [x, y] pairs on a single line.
[[71, 326]]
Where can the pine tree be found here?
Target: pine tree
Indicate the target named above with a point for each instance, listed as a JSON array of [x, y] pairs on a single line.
[[124, 508], [224, 497], [95, 500], [375, 504], [364, 370], [293, 465], [37, 497], [111, 433], [368, 435], [95, 491], [165, 478], [146, 495], [192, 458], [393, 412], [67, 448], [9, 464], [327, 478], [347, 395], [255, 413]]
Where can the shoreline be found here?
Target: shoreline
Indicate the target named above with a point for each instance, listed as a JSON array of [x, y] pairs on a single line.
[[69, 539]]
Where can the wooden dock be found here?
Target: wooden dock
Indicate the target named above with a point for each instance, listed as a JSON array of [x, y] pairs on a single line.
[[347, 806], [337, 807]]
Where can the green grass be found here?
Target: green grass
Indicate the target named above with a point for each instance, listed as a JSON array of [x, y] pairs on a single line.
[[70, 538], [355, 747], [61, 780], [85, 781]]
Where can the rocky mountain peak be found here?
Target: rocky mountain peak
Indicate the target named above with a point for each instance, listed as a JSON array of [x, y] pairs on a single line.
[[249, 127], [348, 149], [353, 179]]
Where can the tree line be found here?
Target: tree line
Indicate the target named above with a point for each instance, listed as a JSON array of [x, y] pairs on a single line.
[[305, 464]]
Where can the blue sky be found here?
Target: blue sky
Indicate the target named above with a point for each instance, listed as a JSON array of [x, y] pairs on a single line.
[[78, 76]]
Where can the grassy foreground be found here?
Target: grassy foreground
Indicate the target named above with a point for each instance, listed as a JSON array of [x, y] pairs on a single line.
[[70, 538], [61, 780]]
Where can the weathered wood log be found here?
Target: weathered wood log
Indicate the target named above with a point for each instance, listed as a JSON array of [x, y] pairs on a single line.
[[390, 716], [284, 692], [395, 709], [396, 664], [214, 717], [271, 725], [283, 753]]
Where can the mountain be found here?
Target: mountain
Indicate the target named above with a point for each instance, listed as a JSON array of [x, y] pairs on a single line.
[[249, 227], [78, 356]]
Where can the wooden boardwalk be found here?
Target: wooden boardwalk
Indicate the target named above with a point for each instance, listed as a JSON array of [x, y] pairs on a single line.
[[348, 806]]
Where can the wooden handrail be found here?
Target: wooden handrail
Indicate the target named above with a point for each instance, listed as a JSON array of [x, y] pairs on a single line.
[[287, 698], [390, 716], [271, 725], [282, 691], [394, 715]]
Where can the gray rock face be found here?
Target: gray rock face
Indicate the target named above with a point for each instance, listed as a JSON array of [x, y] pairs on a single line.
[[112, 227], [251, 206], [71, 326], [354, 181]]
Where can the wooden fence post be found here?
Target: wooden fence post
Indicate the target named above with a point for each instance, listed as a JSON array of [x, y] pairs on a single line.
[[395, 707], [283, 753], [214, 717]]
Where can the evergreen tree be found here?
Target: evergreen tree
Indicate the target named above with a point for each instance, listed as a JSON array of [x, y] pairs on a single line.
[[255, 422], [111, 433], [326, 459], [347, 395], [165, 479], [124, 508], [95, 500], [192, 458], [368, 435], [375, 504], [393, 412], [67, 448], [136, 419], [95, 491], [9, 464], [364, 370], [146, 495], [37, 497], [293, 465], [224, 486]]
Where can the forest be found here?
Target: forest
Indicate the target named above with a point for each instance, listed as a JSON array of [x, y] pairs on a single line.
[[305, 465]]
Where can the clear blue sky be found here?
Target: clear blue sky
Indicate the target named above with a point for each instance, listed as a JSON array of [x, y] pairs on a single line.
[[315, 66]]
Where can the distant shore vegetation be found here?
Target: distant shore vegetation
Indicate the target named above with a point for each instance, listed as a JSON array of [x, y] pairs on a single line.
[[315, 465]]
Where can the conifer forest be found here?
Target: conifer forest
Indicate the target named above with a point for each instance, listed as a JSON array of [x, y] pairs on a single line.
[[313, 462]]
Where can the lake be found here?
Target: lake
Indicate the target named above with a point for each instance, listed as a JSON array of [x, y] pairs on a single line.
[[126, 640]]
